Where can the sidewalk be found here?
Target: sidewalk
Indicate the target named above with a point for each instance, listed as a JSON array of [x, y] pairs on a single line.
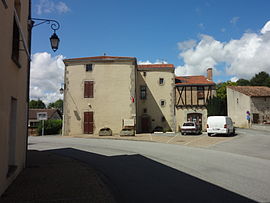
[[52, 178]]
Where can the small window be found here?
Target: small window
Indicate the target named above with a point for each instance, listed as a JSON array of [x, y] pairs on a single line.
[[161, 81], [88, 67], [163, 119], [144, 73], [145, 110], [162, 103], [143, 92], [237, 100], [200, 92]]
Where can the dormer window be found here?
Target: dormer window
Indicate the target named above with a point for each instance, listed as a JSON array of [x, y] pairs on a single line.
[[88, 67]]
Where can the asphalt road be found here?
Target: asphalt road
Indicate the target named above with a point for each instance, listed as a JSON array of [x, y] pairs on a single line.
[[232, 171]]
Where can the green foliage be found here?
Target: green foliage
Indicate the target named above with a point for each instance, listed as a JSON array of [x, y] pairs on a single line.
[[51, 127], [56, 105], [260, 79], [36, 104], [243, 82], [221, 89]]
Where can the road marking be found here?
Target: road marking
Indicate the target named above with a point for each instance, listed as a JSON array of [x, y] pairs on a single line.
[[194, 140], [171, 139]]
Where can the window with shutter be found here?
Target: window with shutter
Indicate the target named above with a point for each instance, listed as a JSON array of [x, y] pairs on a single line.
[[88, 89]]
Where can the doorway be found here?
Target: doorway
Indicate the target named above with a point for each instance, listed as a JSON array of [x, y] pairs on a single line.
[[88, 127]]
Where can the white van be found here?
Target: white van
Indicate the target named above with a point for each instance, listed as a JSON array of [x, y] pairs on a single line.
[[220, 125]]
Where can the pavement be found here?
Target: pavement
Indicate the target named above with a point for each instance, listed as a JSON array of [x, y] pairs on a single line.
[[52, 178], [49, 177], [202, 140]]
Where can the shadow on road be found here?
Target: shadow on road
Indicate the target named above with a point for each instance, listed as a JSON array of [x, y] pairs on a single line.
[[135, 178]]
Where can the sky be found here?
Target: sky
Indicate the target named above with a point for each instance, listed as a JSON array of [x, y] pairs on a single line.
[[232, 37]]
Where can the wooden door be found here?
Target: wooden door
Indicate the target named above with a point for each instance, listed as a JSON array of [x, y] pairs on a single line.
[[145, 124], [88, 123]]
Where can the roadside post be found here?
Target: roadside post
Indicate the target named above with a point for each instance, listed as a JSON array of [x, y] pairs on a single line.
[[42, 116]]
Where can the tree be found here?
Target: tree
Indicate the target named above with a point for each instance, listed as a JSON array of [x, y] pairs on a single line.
[[260, 79], [243, 82], [56, 105], [36, 104], [221, 89]]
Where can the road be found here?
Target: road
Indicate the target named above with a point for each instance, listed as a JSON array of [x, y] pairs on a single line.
[[232, 171]]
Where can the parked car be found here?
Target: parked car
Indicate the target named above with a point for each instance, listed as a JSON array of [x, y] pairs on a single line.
[[190, 128], [220, 125]]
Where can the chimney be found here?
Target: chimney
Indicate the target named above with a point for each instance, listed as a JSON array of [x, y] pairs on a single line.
[[210, 74]]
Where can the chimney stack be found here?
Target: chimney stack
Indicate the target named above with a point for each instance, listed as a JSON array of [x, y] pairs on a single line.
[[210, 74]]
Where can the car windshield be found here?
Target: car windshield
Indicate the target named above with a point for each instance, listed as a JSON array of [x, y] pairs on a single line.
[[188, 124]]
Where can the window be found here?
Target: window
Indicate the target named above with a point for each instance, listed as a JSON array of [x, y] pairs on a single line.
[[88, 89], [144, 73], [161, 81], [143, 92], [162, 103], [145, 110], [88, 67], [200, 92], [15, 43]]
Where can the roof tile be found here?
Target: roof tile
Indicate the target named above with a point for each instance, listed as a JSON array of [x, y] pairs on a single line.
[[252, 91], [193, 80]]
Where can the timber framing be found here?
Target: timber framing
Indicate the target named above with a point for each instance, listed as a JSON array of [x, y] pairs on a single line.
[[187, 97]]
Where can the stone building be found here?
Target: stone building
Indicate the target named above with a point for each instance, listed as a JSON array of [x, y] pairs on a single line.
[[155, 98], [192, 95], [252, 99], [99, 93], [15, 40]]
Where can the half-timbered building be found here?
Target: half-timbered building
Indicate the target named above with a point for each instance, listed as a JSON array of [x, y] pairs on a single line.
[[191, 97]]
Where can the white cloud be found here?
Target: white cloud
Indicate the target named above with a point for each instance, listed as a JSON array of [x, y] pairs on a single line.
[[243, 57], [46, 77], [158, 61], [234, 20], [266, 28], [234, 79], [48, 6]]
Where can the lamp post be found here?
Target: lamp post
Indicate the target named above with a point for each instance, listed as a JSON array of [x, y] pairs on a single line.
[[54, 39]]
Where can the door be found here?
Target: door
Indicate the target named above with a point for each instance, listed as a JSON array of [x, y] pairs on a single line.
[[88, 123], [195, 117], [145, 121], [256, 118]]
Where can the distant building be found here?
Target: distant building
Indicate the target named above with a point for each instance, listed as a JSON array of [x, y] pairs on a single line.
[[254, 100], [15, 37], [192, 95], [52, 114]]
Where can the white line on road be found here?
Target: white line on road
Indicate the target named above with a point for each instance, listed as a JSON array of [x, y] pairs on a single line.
[[171, 138]]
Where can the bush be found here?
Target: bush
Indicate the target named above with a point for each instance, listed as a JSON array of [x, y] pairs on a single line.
[[51, 127]]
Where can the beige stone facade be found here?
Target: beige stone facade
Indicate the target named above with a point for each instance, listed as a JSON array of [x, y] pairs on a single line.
[[252, 99], [112, 100], [155, 109], [14, 63]]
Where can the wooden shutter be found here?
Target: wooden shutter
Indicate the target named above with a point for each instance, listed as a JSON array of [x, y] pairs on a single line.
[[88, 123], [88, 89]]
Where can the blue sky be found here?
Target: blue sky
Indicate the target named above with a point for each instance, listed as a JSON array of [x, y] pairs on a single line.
[[179, 32]]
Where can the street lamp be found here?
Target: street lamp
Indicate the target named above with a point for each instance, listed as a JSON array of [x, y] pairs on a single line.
[[61, 90], [54, 39]]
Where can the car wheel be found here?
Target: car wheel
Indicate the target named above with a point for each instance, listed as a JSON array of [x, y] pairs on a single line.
[[210, 134]]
